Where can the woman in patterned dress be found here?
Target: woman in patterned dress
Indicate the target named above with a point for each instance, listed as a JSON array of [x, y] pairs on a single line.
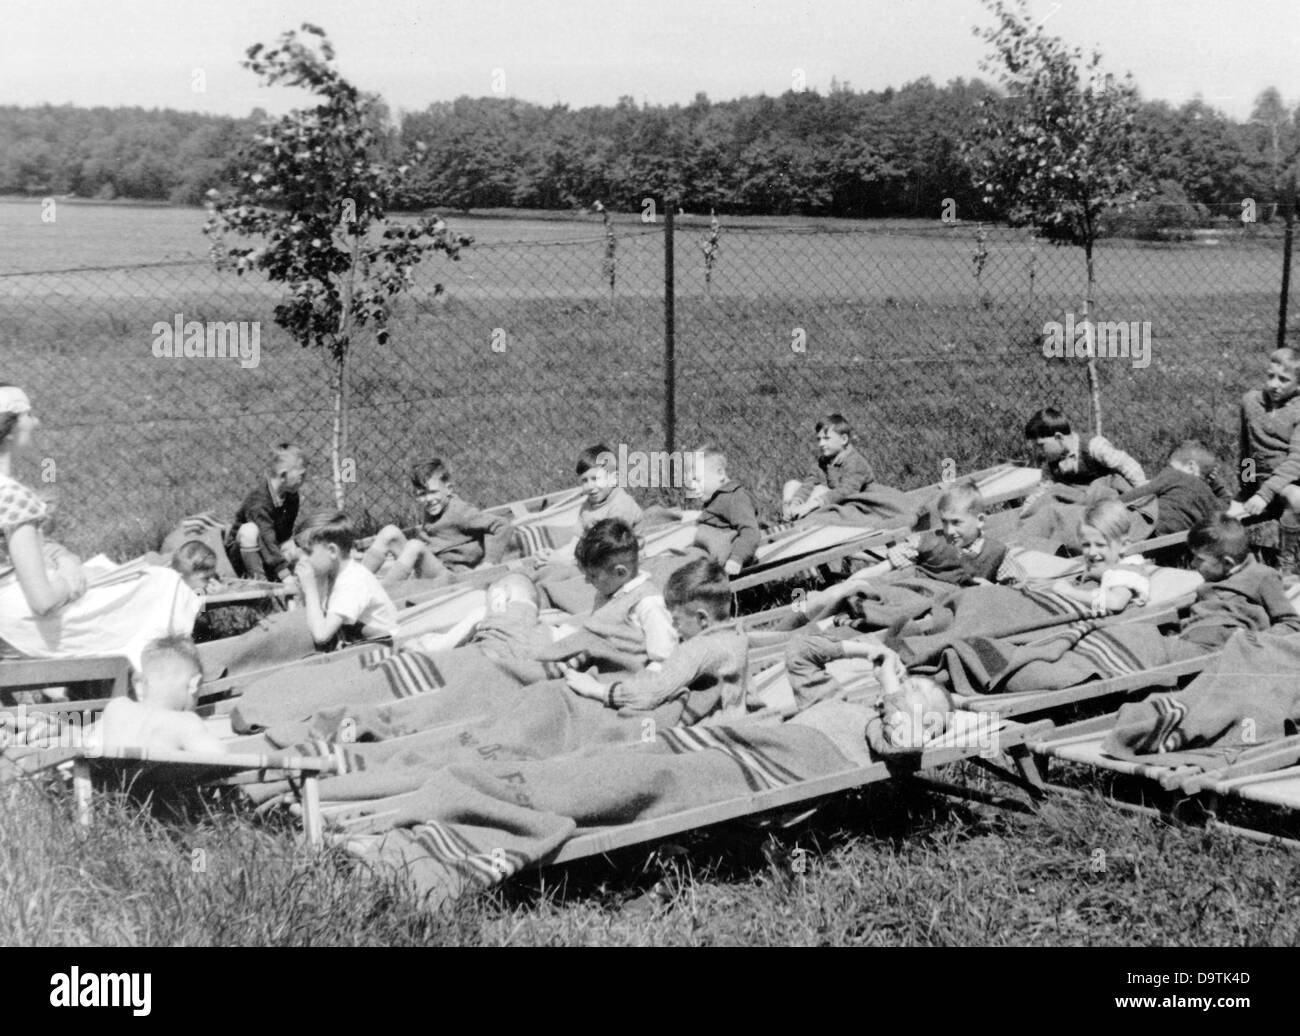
[[46, 609]]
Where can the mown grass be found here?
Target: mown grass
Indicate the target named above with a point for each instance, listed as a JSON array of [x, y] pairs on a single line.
[[885, 866]]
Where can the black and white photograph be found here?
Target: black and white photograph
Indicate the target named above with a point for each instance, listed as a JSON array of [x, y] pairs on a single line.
[[693, 473]]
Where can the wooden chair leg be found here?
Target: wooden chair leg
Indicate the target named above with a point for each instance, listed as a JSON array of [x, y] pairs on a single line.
[[81, 791], [311, 819]]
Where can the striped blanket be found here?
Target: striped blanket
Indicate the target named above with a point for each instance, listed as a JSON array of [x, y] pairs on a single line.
[[395, 749], [467, 827], [1065, 657], [1248, 695]]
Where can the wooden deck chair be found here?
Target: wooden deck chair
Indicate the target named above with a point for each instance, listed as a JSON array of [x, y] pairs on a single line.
[[186, 768], [1265, 775], [808, 547], [1034, 703], [35, 673]]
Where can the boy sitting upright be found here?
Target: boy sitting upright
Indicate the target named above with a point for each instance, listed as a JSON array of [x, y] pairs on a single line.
[[1270, 453], [842, 471], [728, 522], [453, 537], [260, 542], [630, 620], [342, 599], [603, 498], [710, 655], [162, 717]]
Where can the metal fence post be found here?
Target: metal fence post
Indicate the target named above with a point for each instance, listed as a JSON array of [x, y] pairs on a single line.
[[1286, 268], [670, 332]]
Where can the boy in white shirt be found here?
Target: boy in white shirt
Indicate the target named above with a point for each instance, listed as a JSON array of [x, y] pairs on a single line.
[[341, 597]]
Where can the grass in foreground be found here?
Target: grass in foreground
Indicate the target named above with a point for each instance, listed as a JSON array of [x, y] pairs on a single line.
[[885, 866]]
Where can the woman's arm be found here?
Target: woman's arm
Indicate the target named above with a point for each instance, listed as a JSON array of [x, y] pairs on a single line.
[[43, 594]]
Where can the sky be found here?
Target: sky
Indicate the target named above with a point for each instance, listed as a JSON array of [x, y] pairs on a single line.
[[185, 54]]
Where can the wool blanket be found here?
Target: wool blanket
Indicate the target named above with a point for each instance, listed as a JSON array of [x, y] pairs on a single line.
[[384, 751], [468, 826], [1066, 657], [1248, 695]]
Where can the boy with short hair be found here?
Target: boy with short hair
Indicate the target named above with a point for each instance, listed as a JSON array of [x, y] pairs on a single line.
[[260, 542], [958, 553], [453, 537], [728, 522], [341, 598], [710, 654], [162, 716], [1067, 460], [1270, 453], [603, 497], [1186, 493], [842, 471], [629, 615], [196, 563], [1238, 593]]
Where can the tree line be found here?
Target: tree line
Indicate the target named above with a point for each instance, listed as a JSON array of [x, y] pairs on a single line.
[[887, 153]]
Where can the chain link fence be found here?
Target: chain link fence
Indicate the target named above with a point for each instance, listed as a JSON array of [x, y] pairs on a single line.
[[929, 338]]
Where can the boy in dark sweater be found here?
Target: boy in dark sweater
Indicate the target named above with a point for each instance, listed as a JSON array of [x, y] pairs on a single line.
[[728, 523], [842, 471], [260, 542], [1270, 453], [1238, 594], [1187, 493], [454, 536]]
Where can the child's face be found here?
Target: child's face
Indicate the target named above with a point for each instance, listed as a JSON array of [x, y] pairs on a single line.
[[596, 482], [1187, 467], [1050, 448], [1214, 568], [291, 479], [689, 621], [325, 559], [608, 578], [1281, 384], [168, 684], [912, 718], [435, 495], [960, 528], [707, 479], [1098, 551], [198, 579], [831, 443]]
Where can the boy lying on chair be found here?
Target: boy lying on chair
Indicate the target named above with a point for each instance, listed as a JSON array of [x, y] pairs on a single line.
[[162, 717]]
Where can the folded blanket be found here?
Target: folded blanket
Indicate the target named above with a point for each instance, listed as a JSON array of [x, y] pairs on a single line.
[[468, 827], [1248, 695]]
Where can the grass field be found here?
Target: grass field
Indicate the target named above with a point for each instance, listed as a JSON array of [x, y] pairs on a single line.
[[928, 363], [896, 332]]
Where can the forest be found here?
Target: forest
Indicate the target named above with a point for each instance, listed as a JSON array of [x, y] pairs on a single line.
[[845, 153]]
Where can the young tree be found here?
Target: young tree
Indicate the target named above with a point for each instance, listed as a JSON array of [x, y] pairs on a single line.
[[314, 188], [1060, 149]]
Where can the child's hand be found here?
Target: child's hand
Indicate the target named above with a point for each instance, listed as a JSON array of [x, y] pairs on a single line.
[[732, 567], [1255, 505], [584, 684], [303, 573], [69, 568], [1236, 509]]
